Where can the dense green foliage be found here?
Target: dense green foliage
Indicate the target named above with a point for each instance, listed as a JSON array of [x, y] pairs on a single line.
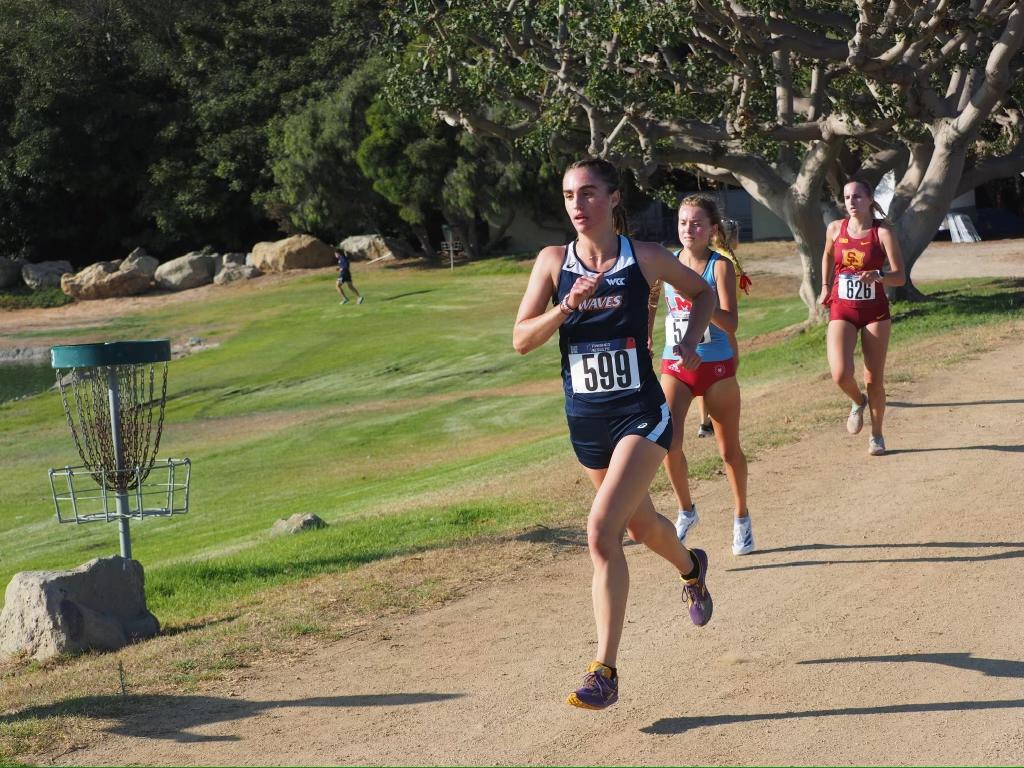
[[221, 123]]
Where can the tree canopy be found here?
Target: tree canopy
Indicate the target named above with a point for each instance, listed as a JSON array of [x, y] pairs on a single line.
[[786, 99]]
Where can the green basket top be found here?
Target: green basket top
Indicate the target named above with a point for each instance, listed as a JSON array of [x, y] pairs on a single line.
[[110, 353]]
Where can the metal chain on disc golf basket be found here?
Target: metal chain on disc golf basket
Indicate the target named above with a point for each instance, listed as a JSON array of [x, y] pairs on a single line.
[[92, 435]]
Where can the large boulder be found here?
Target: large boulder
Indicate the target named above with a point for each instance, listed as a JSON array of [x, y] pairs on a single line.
[[221, 260], [10, 271], [188, 271], [232, 272], [295, 252], [98, 606], [45, 274], [110, 279], [375, 247]]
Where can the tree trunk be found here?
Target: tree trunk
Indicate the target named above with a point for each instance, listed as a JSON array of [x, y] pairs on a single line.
[[495, 239], [935, 192], [803, 216], [420, 231]]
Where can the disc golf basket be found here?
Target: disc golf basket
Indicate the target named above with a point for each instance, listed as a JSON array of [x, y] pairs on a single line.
[[114, 402]]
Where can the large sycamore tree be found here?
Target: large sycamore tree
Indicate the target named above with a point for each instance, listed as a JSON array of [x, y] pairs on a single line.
[[787, 99]]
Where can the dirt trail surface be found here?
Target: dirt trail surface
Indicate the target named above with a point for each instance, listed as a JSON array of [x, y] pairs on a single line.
[[880, 622]]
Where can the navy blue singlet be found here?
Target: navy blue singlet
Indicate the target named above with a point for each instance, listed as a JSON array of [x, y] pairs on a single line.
[[606, 368]]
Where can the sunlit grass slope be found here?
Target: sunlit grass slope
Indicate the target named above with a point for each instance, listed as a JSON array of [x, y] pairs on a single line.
[[405, 422]]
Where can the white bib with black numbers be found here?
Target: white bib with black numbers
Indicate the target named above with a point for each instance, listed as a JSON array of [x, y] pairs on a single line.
[[852, 288], [676, 324], [604, 366]]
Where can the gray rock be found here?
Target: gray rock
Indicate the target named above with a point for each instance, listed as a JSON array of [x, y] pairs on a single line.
[[374, 247], [10, 272], [297, 523], [98, 606], [295, 252], [232, 272], [188, 271], [45, 274]]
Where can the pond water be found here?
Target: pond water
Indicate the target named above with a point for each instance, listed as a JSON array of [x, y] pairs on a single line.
[[21, 379]]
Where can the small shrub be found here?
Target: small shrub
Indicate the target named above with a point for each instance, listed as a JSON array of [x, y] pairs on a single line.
[[23, 297]]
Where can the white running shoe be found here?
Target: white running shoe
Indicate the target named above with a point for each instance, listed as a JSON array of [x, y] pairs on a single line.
[[705, 430], [361, 300], [685, 521], [876, 446], [855, 423], [742, 536]]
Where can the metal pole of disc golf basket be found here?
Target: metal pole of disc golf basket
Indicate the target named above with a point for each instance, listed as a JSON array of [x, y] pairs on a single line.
[[111, 400]]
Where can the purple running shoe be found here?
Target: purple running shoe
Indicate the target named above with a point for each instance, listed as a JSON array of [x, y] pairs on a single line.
[[599, 689], [695, 591]]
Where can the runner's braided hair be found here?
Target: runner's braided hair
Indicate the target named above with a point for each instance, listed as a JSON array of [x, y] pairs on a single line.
[[725, 232], [609, 174]]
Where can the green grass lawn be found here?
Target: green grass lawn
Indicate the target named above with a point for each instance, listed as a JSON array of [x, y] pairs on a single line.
[[406, 422]]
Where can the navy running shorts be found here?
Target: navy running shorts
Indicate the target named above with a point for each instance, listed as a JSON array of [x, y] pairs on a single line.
[[594, 437]]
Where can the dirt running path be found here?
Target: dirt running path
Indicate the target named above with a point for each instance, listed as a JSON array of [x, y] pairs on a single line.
[[880, 623]]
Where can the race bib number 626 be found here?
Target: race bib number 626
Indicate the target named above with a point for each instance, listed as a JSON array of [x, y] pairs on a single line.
[[604, 366], [852, 288]]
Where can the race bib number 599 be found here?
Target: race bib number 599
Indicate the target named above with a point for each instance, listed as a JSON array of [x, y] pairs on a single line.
[[604, 366]]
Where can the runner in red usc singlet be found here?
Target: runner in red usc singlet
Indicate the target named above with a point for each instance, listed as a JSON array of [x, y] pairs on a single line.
[[861, 257]]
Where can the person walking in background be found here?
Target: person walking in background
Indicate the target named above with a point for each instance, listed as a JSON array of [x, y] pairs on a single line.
[[704, 251], [593, 292], [853, 280], [345, 277]]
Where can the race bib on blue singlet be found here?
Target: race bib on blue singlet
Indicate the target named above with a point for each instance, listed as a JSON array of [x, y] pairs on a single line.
[[852, 288], [676, 325], [604, 366]]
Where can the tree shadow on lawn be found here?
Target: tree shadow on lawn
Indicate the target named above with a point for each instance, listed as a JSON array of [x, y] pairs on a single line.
[[170, 717], [678, 725], [1017, 551]]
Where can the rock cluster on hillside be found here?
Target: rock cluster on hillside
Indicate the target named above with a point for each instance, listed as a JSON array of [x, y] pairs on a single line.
[[140, 272]]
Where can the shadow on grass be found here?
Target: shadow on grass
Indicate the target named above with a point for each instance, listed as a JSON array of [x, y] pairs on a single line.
[[988, 667], [678, 725], [1016, 551], [569, 538], [191, 626], [171, 717], [408, 293]]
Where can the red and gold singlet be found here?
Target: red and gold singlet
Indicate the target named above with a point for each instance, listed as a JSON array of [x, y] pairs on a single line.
[[852, 299]]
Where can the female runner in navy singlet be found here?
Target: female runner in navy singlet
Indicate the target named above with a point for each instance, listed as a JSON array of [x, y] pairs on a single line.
[[853, 283], [594, 293]]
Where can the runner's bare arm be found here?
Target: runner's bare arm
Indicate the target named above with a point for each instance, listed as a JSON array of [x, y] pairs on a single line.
[[537, 319], [726, 316], [895, 276], [826, 260], [658, 264]]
